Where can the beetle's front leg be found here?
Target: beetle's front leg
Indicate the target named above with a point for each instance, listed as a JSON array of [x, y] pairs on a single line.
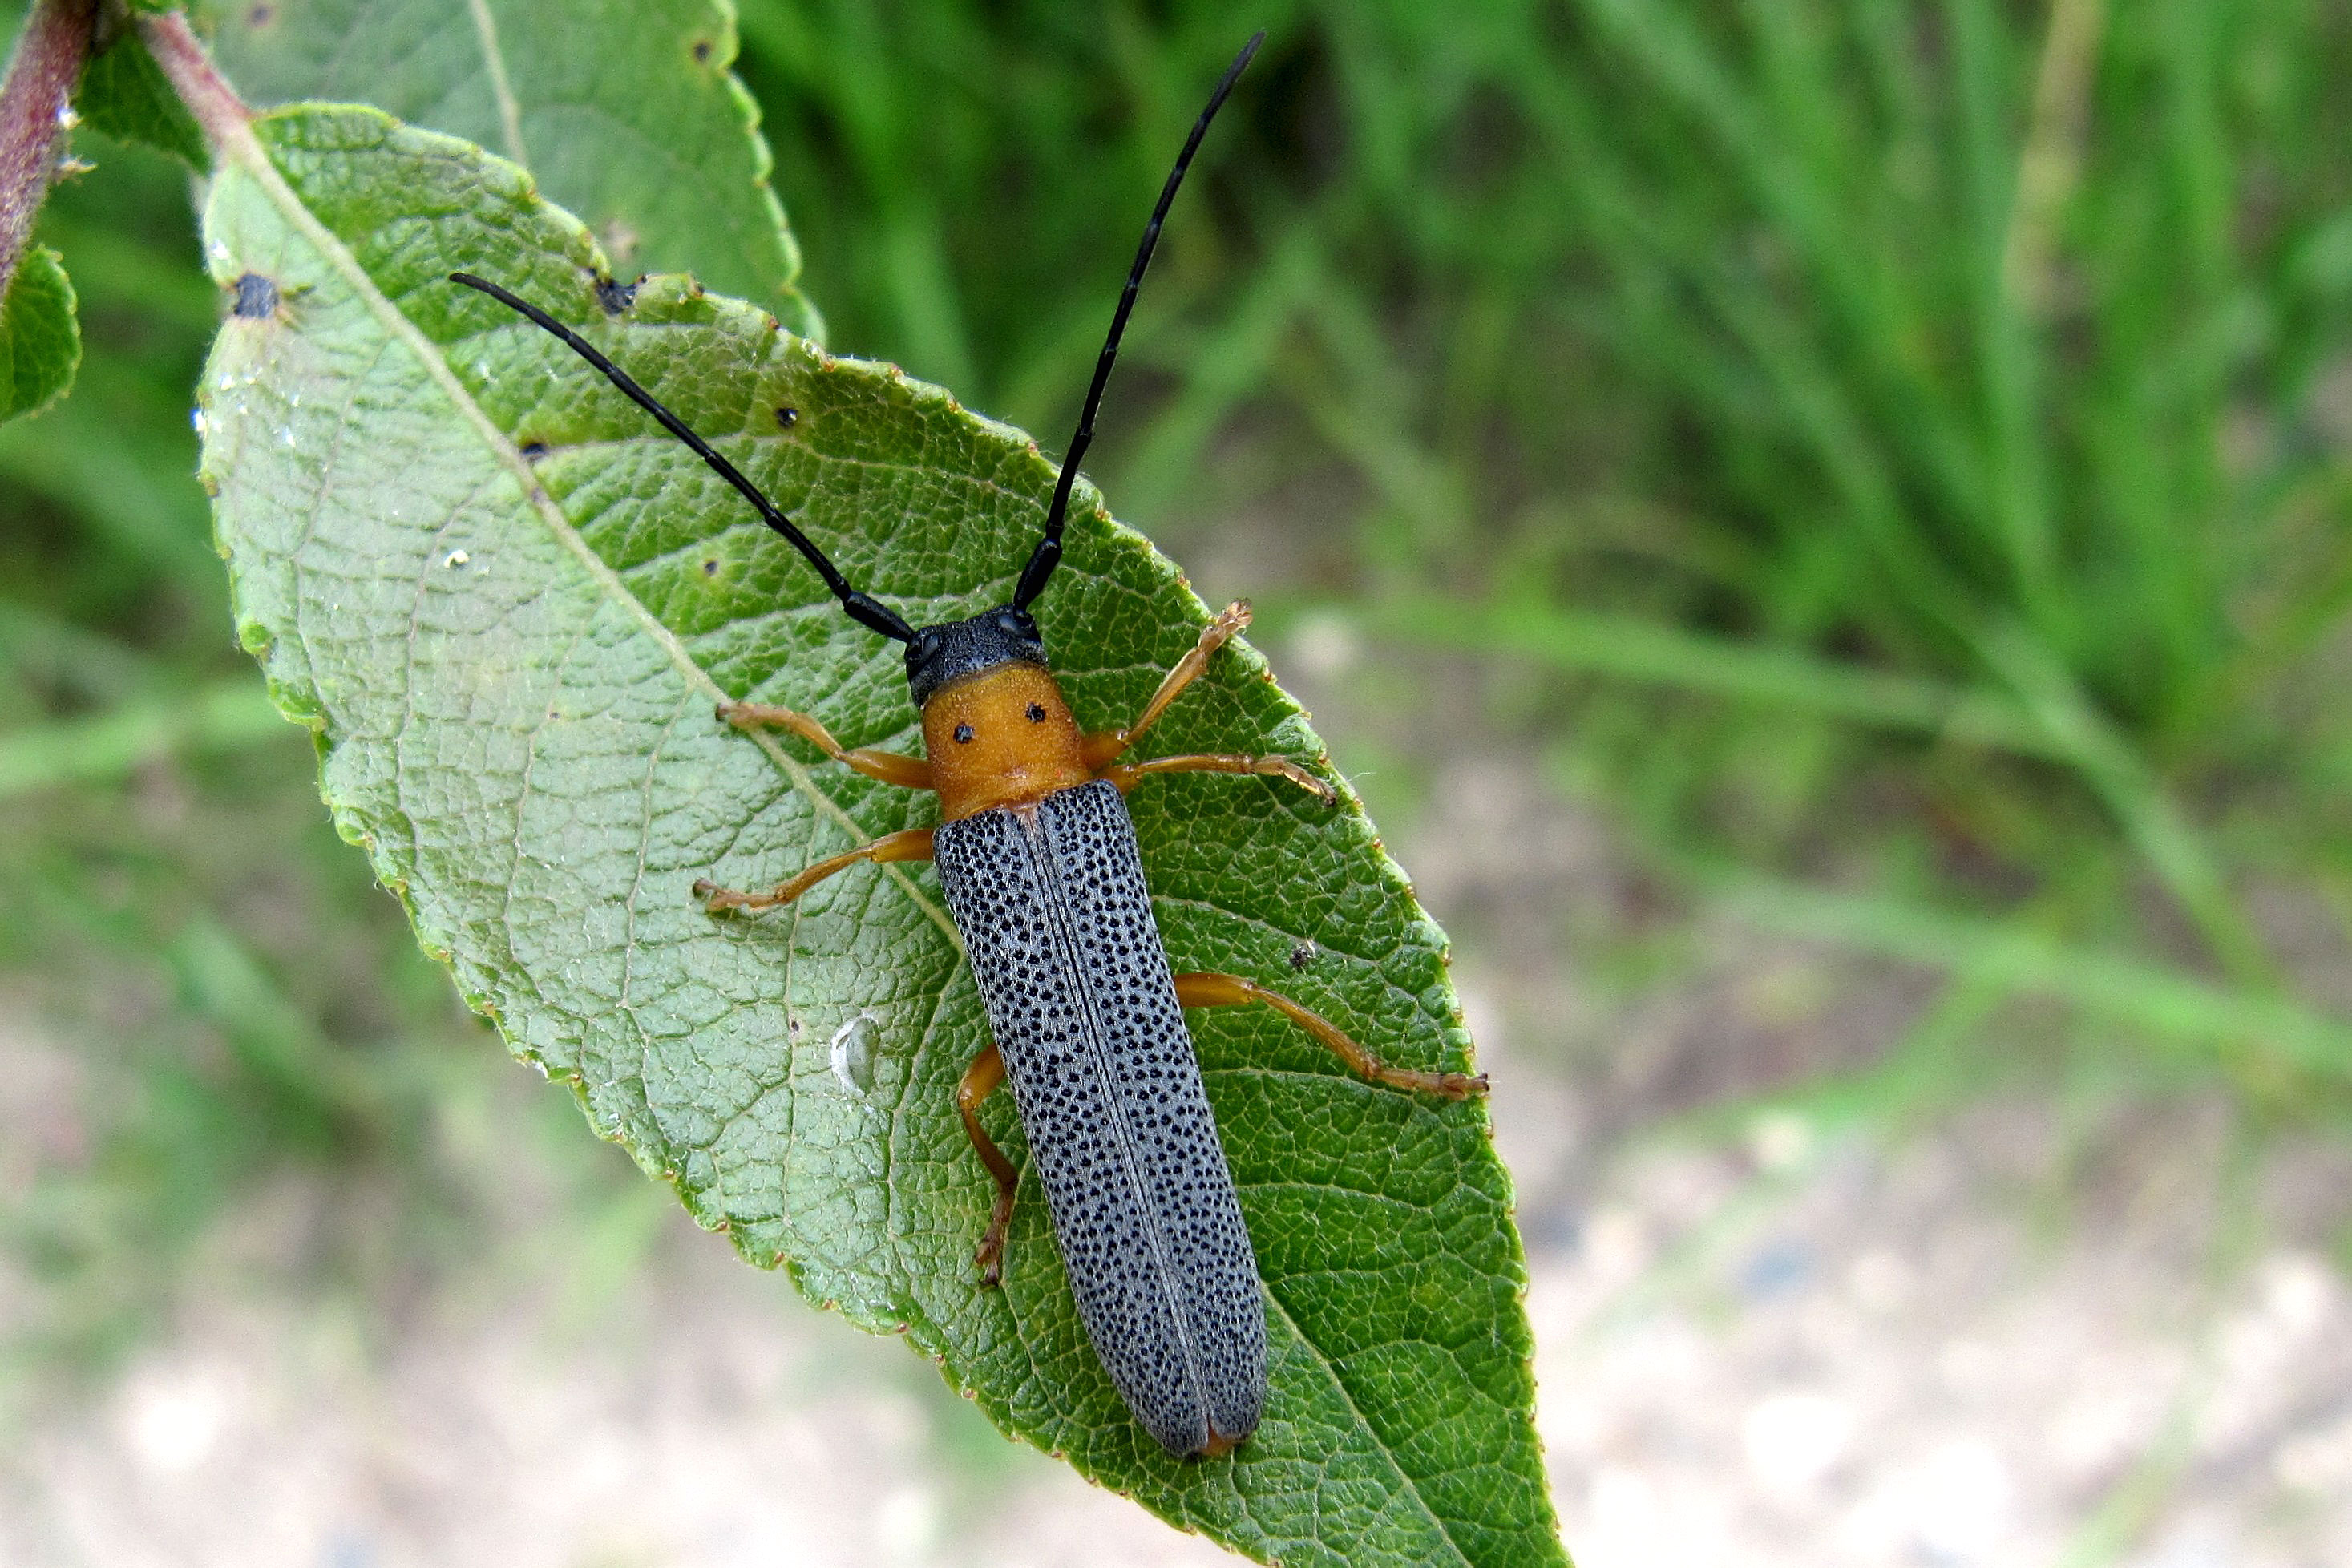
[[978, 1081], [1106, 746], [907, 773], [1213, 989], [914, 844]]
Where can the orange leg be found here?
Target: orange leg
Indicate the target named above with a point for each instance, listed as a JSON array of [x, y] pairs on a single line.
[[1209, 990], [979, 1080], [1126, 774], [1106, 746], [908, 773], [914, 844]]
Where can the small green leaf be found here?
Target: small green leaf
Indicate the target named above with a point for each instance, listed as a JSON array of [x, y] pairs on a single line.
[[40, 342], [507, 605], [123, 93], [625, 111]]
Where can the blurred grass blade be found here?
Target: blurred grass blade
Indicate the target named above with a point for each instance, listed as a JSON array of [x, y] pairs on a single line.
[[1633, 649], [2142, 808], [317, 1095], [2278, 1036], [107, 746]]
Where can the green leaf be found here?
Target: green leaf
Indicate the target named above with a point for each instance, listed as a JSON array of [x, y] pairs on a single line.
[[507, 605], [40, 342], [122, 93], [625, 111]]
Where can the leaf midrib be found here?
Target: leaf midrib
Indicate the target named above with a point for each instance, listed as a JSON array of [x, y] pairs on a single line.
[[245, 148], [1388, 1455]]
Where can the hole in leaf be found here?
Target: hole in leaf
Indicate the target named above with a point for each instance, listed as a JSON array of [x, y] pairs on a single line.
[[711, 568]]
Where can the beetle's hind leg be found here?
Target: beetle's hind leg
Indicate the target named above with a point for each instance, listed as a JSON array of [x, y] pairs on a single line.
[[1213, 989], [914, 844], [978, 1081], [907, 773]]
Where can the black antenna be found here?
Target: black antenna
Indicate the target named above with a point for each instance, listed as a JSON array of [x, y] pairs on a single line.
[[864, 611], [1048, 553]]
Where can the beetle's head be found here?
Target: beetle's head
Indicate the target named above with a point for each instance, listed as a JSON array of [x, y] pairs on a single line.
[[954, 649]]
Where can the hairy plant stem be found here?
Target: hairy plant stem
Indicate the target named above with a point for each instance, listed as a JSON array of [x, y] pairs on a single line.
[[219, 113], [34, 112]]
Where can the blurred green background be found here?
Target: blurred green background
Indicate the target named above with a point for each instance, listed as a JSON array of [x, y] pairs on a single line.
[[1890, 463]]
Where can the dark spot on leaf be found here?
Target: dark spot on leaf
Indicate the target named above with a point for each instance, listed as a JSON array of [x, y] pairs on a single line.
[[701, 51], [962, 734], [615, 297], [787, 417], [1303, 954], [711, 568], [533, 451], [257, 297], [261, 16], [1036, 714]]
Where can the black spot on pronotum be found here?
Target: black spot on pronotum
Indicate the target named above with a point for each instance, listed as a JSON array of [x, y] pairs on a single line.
[[702, 51], [1303, 953], [257, 297], [1036, 714], [787, 417], [615, 297], [963, 734], [533, 451]]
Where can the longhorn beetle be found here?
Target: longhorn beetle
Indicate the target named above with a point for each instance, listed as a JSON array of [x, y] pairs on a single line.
[[1037, 859]]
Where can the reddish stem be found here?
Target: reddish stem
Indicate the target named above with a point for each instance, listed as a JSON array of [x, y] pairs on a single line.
[[34, 101], [220, 114]]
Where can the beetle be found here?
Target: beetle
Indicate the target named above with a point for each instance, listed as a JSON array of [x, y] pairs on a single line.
[[1038, 861]]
